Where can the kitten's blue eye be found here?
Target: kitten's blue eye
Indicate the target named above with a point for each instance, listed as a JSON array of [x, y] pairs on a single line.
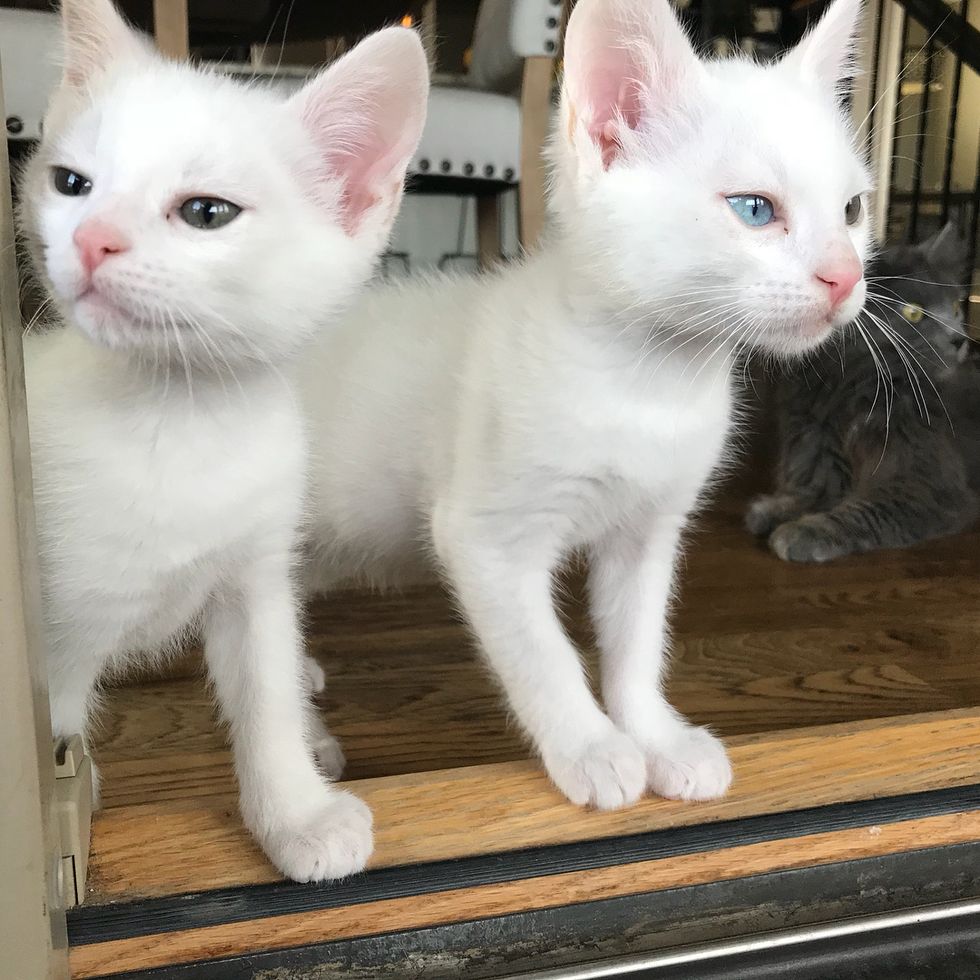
[[208, 213], [753, 209], [69, 182]]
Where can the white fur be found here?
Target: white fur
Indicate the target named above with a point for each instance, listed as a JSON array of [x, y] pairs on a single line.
[[581, 401], [169, 454]]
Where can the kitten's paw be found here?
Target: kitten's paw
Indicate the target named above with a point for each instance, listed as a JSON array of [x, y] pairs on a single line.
[[692, 765], [607, 774], [329, 755], [314, 677], [768, 511], [807, 540], [333, 843]]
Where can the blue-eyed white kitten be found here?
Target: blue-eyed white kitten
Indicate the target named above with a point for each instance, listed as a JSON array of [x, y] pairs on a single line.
[[581, 400]]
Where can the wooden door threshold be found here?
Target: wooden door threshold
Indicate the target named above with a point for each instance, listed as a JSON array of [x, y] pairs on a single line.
[[181, 882]]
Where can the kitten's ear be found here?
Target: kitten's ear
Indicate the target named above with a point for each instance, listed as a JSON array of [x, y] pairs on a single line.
[[95, 36], [365, 114], [947, 252], [826, 54], [624, 60]]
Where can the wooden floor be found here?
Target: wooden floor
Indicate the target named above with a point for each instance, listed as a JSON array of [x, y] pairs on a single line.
[[792, 663], [759, 646]]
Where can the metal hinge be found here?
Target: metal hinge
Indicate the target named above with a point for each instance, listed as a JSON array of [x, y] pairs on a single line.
[[73, 806]]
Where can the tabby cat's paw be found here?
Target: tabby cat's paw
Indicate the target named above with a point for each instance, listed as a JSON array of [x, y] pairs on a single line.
[[691, 765], [334, 842], [768, 511], [807, 540], [606, 774]]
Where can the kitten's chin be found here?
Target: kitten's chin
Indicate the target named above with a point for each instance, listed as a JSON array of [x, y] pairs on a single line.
[[107, 323], [798, 338]]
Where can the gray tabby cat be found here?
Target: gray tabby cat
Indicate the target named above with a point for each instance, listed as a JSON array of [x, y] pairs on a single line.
[[879, 435]]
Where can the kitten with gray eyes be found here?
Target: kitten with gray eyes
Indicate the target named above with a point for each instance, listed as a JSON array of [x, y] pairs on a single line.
[[194, 234], [878, 436]]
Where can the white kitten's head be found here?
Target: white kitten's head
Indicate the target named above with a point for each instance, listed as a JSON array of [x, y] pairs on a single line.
[[175, 211], [729, 192]]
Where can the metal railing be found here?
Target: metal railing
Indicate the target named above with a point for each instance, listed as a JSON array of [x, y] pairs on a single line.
[[924, 118]]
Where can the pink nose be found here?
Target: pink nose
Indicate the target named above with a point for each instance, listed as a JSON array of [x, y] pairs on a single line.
[[840, 278], [96, 240]]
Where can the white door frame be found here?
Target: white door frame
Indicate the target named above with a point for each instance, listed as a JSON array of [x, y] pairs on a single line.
[[32, 918]]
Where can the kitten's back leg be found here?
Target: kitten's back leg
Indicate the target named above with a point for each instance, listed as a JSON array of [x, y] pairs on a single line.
[[326, 747]]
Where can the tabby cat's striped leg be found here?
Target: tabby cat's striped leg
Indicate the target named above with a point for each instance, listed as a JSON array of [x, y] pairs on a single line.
[[890, 518]]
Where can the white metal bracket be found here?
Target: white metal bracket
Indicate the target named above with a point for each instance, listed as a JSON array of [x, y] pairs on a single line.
[[73, 807]]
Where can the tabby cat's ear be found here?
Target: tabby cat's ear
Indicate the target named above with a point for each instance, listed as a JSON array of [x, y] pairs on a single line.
[[947, 253], [95, 37], [626, 62]]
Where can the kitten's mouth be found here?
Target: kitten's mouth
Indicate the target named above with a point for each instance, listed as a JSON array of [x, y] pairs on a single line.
[[108, 321], [92, 302]]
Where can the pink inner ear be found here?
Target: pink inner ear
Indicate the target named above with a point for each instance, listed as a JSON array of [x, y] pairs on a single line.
[[365, 170], [612, 114], [362, 146], [612, 85], [625, 62], [365, 115]]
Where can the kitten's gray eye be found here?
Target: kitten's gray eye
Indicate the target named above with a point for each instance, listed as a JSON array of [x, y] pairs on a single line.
[[70, 182], [208, 213], [754, 209], [852, 210]]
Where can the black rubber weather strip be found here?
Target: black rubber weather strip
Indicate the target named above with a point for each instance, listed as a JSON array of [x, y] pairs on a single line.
[[602, 932], [146, 917]]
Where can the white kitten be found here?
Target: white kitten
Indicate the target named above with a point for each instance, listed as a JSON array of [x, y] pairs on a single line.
[[582, 400], [193, 233]]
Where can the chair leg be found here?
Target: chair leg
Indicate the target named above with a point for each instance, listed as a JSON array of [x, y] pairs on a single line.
[[489, 246], [535, 113], [430, 29], [170, 27]]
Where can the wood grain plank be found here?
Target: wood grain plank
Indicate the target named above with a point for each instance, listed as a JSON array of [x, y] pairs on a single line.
[[729, 586], [397, 712], [283, 932], [198, 844], [163, 742]]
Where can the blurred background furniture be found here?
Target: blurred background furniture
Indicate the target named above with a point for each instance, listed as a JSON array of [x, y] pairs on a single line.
[[28, 56], [486, 131]]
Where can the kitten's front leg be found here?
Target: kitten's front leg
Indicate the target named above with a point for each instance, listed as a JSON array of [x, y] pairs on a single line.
[[505, 588], [630, 580], [309, 830]]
